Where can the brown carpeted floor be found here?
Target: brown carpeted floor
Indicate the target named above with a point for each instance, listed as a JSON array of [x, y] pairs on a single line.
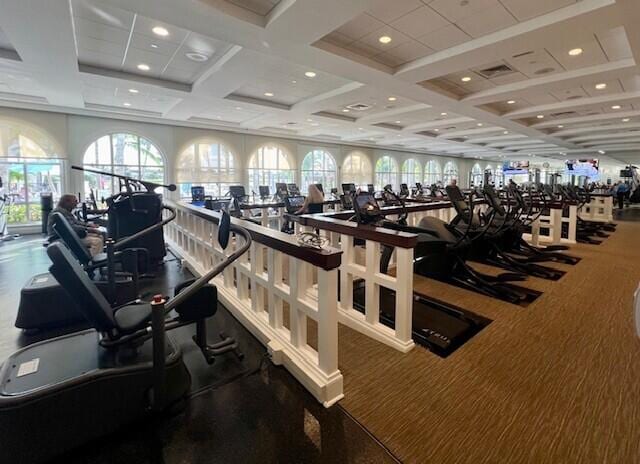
[[556, 382]]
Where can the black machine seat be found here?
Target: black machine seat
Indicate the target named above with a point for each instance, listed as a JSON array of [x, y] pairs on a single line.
[[93, 305], [132, 317]]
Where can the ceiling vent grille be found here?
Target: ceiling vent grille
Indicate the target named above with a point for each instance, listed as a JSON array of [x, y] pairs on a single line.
[[564, 113], [496, 71], [359, 107]]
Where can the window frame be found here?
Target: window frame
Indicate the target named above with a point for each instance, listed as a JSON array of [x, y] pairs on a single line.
[[391, 175], [365, 174], [408, 177], [451, 173], [274, 175], [215, 187], [319, 176]]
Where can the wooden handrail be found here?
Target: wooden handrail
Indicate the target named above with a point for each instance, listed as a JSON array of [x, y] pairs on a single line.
[[327, 258]]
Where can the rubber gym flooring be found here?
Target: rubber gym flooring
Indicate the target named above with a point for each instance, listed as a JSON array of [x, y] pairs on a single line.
[[240, 412]]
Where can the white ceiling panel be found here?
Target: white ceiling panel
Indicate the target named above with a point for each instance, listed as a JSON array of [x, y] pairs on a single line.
[[527, 9], [420, 22], [151, 44], [486, 21], [97, 12], [592, 55], [455, 11], [91, 29], [444, 38], [4, 41], [615, 44], [260, 7], [389, 11], [360, 26]]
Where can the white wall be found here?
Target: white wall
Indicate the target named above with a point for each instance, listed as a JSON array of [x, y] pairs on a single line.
[[73, 134]]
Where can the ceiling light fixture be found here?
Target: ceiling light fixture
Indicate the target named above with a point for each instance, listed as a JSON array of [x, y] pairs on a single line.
[[268, 94], [602, 152], [160, 31], [134, 91], [436, 130], [479, 124], [198, 57], [360, 128], [540, 116], [560, 126], [465, 79], [626, 120], [309, 120], [392, 99], [385, 39], [601, 86], [294, 82], [511, 102], [346, 110], [238, 108], [443, 114], [616, 107], [505, 132], [154, 46], [126, 104], [398, 122], [143, 67], [575, 51], [310, 74]]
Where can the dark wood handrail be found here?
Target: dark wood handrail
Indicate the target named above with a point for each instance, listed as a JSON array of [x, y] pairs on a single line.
[[327, 259]]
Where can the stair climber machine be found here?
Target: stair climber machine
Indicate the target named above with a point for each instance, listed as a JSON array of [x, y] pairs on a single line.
[[509, 225], [487, 236], [136, 207], [61, 393], [440, 327], [45, 304]]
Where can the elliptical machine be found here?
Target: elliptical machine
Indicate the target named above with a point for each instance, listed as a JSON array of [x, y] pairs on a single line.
[[6, 201]]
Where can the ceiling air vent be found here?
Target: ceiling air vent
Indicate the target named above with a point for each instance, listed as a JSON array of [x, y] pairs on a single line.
[[564, 113], [530, 52], [542, 71], [359, 107], [495, 71], [574, 97]]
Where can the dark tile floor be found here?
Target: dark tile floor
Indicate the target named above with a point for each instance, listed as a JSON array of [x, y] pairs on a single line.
[[247, 411]]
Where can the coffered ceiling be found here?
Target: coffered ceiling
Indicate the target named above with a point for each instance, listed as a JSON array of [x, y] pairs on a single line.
[[473, 78]]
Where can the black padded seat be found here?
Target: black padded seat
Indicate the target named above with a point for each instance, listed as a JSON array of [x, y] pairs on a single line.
[[439, 228], [133, 317], [70, 238], [90, 300]]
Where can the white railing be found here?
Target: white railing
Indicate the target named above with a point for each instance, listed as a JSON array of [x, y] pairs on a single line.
[[550, 230], [255, 290], [599, 209]]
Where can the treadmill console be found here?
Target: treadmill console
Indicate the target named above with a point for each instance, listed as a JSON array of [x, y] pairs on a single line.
[[293, 203]]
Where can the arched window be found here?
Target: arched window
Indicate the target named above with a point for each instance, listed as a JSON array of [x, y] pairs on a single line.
[[476, 175], [267, 166], [432, 173], [319, 167], [357, 169], [489, 170], [498, 176], [386, 172], [450, 172], [124, 154], [411, 172], [29, 165], [207, 164]]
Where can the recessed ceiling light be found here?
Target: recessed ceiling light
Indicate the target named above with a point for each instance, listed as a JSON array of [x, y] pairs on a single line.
[[154, 46], [195, 56], [360, 128], [294, 82], [560, 126], [218, 117], [310, 74], [601, 86], [443, 114], [479, 124], [315, 124], [436, 130], [398, 122], [505, 132], [602, 152], [238, 108], [143, 67], [511, 102], [127, 104], [392, 99], [385, 39], [161, 31], [134, 91], [575, 51], [540, 116], [626, 120], [345, 110], [465, 79], [309, 120], [616, 107], [268, 94]]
